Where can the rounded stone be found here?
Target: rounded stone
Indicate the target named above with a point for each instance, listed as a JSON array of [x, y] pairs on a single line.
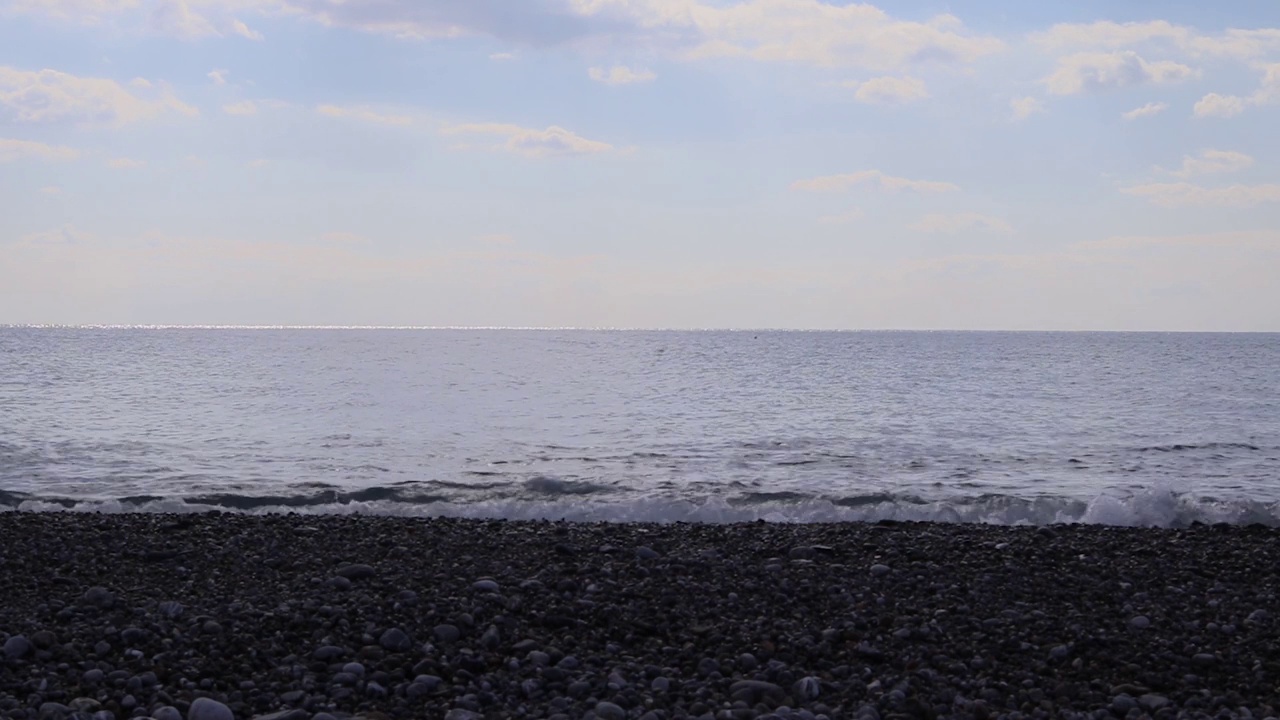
[[17, 647], [1141, 622], [99, 597], [608, 711], [395, 640], [209, 709], [356, 571], [447, 633], [488, 586], [167, 712], [880, 570]]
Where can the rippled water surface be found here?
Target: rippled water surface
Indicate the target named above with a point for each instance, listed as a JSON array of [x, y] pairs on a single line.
[[1002, 427]]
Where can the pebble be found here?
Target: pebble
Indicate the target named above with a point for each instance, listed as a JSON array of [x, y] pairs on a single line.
[[356, 571], [209, 709], [16, 647], [698, 630], [1141, 622], [647, 553], [608, 711], [880, 570], [395, 640]]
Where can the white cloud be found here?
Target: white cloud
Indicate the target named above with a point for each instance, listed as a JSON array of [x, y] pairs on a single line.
[[50, 190], [1025, 107], [363, 114], [124, 163], [554, 141], [1082, 72], [829, 183], [1210, 162], [42, 96], [86, 12], [244, 107], [244, 31], [1184, 194], [1215, 105], [890, 90], [499, 57], [799, 31], [1234, 43], [621, 75], [219, 77], [258, 163], [1268, 93], [942, 223], [842, 218], [1151, 108], [12, 150]]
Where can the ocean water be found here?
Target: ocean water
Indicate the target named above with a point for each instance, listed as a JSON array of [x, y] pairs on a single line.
[[1118, 428]]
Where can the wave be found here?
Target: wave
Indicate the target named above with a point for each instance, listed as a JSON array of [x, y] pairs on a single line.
[[574, 501], [1178, 447]]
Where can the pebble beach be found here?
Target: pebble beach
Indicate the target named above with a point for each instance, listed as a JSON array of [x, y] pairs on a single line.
[[303, 617]]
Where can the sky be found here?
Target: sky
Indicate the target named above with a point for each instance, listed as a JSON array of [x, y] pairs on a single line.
[[976, 164]]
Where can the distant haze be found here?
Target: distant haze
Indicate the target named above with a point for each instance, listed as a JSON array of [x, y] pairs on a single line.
[[641, 163]]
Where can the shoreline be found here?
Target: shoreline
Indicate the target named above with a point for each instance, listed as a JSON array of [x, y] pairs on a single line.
[[387, 617]]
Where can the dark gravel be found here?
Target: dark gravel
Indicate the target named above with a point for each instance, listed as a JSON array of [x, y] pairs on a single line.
[[209, 617]]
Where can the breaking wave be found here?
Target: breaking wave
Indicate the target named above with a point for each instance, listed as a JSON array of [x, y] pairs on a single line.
[[574, 501]]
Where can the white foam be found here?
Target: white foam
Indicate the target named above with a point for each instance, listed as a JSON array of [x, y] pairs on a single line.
[[1153, 508]]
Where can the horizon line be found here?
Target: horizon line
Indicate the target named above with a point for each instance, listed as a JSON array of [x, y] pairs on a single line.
[[579, 328]]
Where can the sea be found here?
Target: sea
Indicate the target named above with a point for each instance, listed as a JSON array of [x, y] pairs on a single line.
[[1148, 429]]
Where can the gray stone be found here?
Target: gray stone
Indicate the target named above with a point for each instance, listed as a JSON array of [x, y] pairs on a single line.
[[1152, 702], [294, 714], [92, 677], [395, 640], [328, 653], [52, 711], [84, 704], [1204, 659], [171, 609], [209, 709], [447, 633], [168, 712], [354, 668], [1141, 622], [880, 570], [486, 586], [609, 711], [17, 647], [801, 552], [806, 689], [491, 638], [754, 691], [660, 684], [1123, 703], [99, 597], [461, 714], [356, 572], [647, 553]]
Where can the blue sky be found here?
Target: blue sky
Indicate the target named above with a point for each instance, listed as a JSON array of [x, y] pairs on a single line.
[[641, 163]]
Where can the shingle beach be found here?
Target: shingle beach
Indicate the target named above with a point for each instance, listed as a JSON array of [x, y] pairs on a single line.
[[218, 616]]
